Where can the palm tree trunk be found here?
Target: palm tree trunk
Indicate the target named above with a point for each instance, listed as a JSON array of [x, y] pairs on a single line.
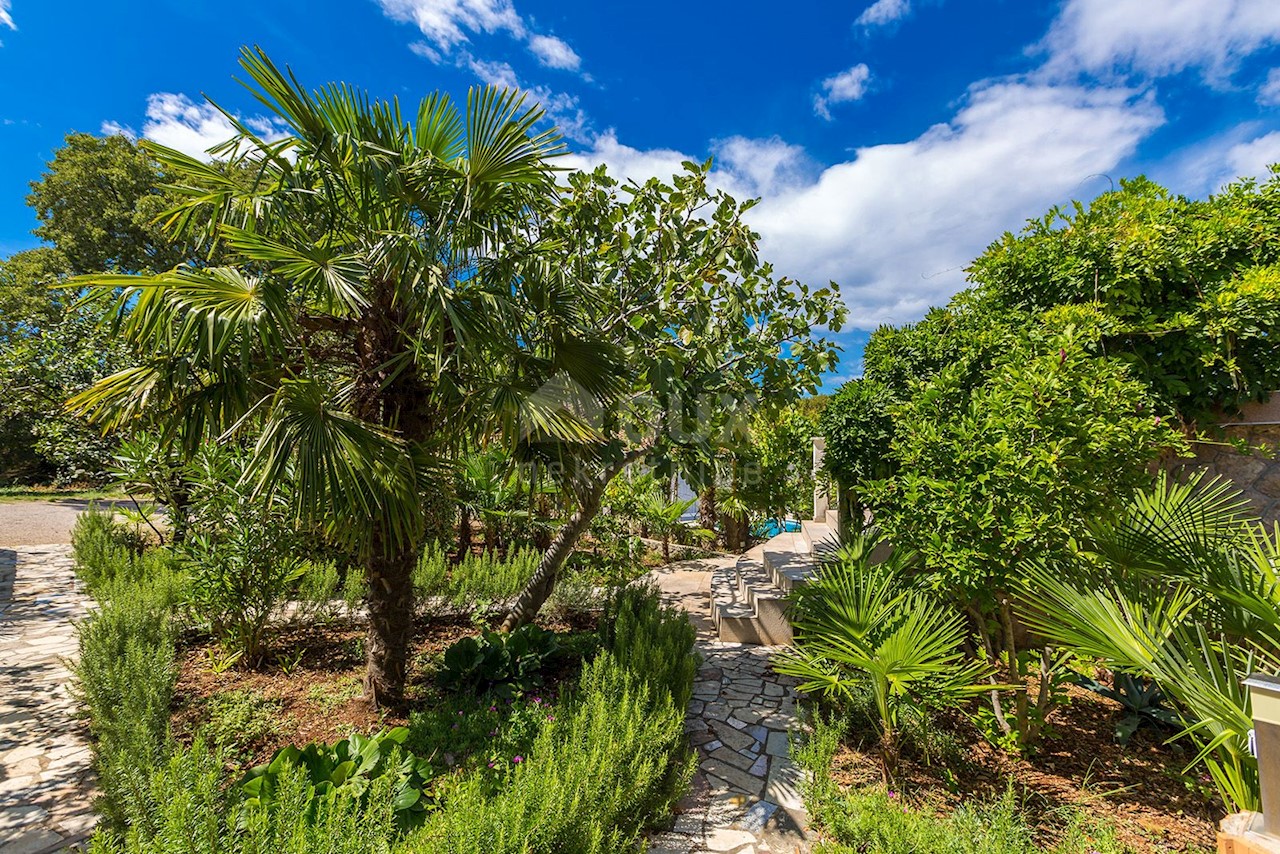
[[390, 626], [707, 510], [464, 531]]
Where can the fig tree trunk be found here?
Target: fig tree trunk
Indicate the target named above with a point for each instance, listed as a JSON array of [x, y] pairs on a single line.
[[543, 580]]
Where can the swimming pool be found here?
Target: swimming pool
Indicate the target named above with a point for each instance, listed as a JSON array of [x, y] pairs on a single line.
[[771, 528]]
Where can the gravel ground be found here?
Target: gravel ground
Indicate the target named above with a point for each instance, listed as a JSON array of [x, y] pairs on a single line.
[[38, 523]]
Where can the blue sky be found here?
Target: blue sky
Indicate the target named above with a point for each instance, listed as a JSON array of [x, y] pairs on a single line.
[[890, 141]]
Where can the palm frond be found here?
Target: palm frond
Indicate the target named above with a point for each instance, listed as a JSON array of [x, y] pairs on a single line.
[[348, 474], [1173, 527]]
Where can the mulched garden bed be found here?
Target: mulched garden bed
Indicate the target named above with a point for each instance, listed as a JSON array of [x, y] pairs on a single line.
[[1139, 787], [312, 677]]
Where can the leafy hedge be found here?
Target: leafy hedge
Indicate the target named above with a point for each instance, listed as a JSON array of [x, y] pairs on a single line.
[[126, 673]]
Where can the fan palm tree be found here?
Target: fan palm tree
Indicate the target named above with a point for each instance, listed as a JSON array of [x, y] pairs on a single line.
[[1180, 587], [863, 628], [384, 306], [664, 518]]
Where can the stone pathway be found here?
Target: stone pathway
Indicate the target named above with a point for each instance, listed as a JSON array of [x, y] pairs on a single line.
[[45, 777], [745, 795]]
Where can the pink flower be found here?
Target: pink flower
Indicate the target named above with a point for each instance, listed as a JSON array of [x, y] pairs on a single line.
[[893, 794], [517, 759]]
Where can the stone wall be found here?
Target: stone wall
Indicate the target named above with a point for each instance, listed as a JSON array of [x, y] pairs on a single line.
[[1257, 472]]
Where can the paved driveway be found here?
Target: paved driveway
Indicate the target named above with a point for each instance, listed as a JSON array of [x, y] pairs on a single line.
[[39, 523]]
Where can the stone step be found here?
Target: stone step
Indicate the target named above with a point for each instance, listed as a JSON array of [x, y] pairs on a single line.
[[789, 569], [734, 619], [748, 603], [817, 537], [756, 588]]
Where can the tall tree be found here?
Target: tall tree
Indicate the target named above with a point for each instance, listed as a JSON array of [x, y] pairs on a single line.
[[99, 202], [49, 350], [671, 279], [386, 304]]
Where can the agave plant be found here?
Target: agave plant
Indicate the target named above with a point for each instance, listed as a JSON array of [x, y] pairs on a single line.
[[1181, 587], [865, 628]]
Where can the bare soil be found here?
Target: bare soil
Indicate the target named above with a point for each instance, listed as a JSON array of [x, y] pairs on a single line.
[[314, 673]]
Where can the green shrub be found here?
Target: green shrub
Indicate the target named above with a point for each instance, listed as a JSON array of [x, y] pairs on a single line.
[[239, 719], [348, 767], [475, 581], [242, 549], [103, 548], [510, 661], [609, 762], [652, 641], [479, 733], [189, 811], [595, 776], [125, 676], [874, 820]]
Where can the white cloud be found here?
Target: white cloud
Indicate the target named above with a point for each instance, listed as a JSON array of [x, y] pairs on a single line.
[[554, 53], [1269, 92], [174, 120], [110, 128], [1243, 151], [1251, 159], [884, 12], [896, 224], [840, 88], [6, 18], [178, 122], [448, 23], [499, 74], [624, 161], [1121, 36], [761, 167]]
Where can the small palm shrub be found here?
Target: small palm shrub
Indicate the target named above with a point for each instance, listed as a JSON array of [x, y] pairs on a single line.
[[1182, 588], [862, 629]]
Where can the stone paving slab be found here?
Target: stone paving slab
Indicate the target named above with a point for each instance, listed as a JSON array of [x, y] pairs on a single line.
[[46, 782], [745, 797]]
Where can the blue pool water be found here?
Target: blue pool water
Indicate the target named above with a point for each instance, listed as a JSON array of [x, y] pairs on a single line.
[[772, 527]]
